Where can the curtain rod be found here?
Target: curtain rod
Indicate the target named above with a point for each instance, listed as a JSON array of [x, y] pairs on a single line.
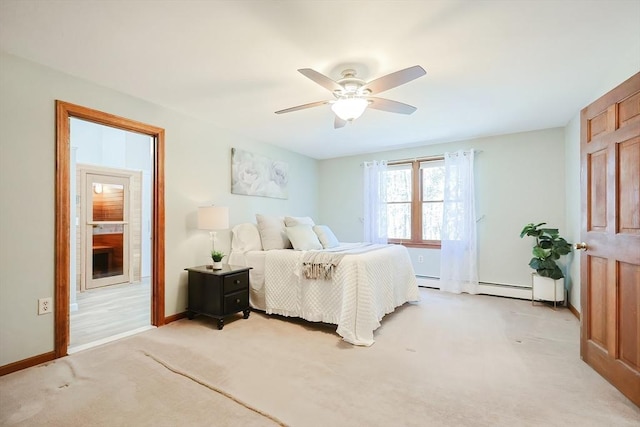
[[423, 159], [412, 159], [417, 159]]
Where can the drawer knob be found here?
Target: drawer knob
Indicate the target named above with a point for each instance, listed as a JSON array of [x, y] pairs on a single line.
[[237, 281], [237, 300]]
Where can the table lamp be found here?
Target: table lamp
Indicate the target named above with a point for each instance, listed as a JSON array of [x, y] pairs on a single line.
[[213, 218]]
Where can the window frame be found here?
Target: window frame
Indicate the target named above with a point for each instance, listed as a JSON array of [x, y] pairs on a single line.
[[416, 206]]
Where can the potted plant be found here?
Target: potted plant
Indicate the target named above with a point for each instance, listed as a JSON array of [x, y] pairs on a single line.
[[548, 281], [217, 256]]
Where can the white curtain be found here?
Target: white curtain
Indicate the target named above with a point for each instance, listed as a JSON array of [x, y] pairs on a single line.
[[375, 208], [458, 255]]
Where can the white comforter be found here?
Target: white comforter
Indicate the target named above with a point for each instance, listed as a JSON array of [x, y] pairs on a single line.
[[364, 287]]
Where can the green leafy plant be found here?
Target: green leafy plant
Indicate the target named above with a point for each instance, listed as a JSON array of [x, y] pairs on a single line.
[[548, 249], [217, 256]]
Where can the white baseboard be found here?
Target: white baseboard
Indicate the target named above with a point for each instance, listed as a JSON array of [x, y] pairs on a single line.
[[495, 289]]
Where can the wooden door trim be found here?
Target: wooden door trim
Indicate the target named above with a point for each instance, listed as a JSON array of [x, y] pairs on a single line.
[[64, 111]]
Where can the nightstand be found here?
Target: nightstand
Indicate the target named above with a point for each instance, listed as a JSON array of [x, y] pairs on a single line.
[[218, 293]]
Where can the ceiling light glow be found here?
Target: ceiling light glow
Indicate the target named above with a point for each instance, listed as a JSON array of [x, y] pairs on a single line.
[[349, 108]]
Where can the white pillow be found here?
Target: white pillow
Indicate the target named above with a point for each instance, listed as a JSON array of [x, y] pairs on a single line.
[[245, 237], [326, 236], [292, 221], [272, 232], [303, 238]]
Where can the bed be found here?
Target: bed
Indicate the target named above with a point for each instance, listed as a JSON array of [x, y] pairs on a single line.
[[351, 285]]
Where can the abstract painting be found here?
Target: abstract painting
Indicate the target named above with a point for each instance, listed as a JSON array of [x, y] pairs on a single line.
[[256, 175]]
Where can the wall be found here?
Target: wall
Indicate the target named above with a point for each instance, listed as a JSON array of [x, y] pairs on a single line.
[[573, 208], [519, 179], [197, 172]]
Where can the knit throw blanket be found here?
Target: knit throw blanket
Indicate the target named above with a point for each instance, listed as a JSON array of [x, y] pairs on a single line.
[[321, 264]]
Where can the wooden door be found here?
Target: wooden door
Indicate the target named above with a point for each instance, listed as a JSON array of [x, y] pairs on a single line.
[[107, 230], [610, 265]]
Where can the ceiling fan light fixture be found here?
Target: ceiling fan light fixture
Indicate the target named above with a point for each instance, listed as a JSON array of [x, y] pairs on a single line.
[[349, 108]]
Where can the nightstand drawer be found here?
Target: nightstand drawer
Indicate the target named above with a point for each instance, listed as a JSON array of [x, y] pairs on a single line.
[[236, 282], [236, 302]]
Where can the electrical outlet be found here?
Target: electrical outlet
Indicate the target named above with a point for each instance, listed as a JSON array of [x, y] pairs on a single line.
[[45, 305], [420, 259]]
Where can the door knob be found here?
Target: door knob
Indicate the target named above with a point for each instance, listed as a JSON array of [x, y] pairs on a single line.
[[582, 246]]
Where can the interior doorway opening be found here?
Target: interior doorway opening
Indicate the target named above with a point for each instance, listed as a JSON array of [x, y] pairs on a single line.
[[110, 173], [69, 256]]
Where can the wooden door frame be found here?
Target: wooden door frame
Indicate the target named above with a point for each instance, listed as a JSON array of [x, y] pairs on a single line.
[[64, 112]]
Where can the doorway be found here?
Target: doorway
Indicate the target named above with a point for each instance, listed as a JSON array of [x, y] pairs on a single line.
[[105, 227], [65, 112]]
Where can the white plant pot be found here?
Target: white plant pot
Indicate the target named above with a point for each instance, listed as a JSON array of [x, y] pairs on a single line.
[[217, 265], [547, 289]]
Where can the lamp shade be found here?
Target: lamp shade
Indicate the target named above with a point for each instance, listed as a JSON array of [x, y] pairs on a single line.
[[349, 108], [213, 217]]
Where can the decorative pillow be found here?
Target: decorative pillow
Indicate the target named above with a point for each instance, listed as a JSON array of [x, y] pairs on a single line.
[[245, 237], [303, 238], [326, 236], [272, 232], [292, 221]]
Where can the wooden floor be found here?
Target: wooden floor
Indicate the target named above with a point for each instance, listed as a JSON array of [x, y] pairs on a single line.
[[109, 311]]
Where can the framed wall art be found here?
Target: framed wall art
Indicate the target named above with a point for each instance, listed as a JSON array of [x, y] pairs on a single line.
[[257, 175]]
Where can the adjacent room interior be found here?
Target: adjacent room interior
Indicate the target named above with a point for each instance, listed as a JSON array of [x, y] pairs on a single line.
[[320, 213]]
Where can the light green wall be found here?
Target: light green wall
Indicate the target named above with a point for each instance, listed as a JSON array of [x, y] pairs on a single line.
[[197, 172], [573, 208], [519, 179]]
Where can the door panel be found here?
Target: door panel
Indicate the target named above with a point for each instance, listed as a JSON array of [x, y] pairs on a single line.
[[629, 350], [610, 268], [628, 178], [598, 188], [107, 220], [598, 301]]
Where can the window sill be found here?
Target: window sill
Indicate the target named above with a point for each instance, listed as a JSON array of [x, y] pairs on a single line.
[[423, 245]]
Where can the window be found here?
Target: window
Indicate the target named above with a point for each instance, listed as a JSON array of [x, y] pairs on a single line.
[[414, 198]]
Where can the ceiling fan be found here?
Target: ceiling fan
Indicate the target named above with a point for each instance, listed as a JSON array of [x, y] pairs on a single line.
[[353, 95]]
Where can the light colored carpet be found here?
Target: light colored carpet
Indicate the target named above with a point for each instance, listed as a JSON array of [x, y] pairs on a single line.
[[450, 360]]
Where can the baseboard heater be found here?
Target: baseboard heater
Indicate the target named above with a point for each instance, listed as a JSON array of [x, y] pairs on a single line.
[[485, 288]]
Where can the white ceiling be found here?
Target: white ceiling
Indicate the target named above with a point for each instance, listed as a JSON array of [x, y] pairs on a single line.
[[493, 67]]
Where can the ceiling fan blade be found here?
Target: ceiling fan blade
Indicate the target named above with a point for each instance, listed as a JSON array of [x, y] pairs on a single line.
[[321, 79], [395, 79], [390, 106], [302, 107], [339, 123]]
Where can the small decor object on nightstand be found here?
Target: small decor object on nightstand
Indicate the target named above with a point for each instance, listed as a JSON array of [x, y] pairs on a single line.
[[217, 256]]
